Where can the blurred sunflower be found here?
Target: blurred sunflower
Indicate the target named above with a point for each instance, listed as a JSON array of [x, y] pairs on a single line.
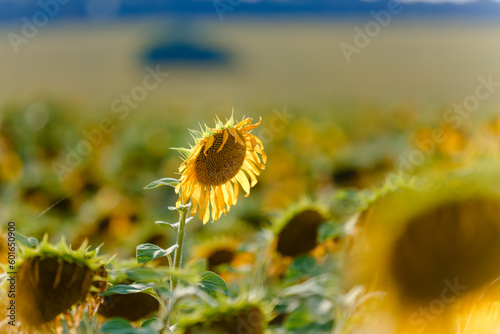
[[429, 248], [297, 230], [241, 316], [296, 234], [480, 312], [55, 282], [223, 158], [221, 251], [133, 307]]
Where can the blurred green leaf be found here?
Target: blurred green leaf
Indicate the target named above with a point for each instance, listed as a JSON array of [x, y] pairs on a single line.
[[149, 252], [144, 274], [167, 181], [330, 230], [116, 326], [297, 320], [26, 241], [122, 326], [213, 284], [155, 324], [127, 289], [302, 267], [174, 226]]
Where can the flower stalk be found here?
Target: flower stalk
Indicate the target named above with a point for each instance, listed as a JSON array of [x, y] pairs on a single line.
[[180, 242]]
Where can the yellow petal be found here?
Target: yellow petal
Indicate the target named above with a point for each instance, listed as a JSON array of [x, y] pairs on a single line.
[[213, 201], [250, 126], [243, 123], [224, 139], [251, 175], [208, 144], [195, 200], [252, 140], [250, 166], [236, 191], [242, 179], [204, 204], [225, 195], [220, 201], [236, 136], [230, 194]]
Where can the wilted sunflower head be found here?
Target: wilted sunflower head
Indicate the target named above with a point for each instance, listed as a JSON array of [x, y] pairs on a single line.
[[53, 280], [297, 230], [222, 158]]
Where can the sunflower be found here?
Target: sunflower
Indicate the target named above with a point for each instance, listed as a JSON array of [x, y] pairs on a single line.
[[244, 315], [223, 158], [431, 247], [297, 230], [221, 251], [56, 282]]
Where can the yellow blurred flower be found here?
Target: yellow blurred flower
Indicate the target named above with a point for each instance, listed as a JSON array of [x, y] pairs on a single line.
[[429, 247]]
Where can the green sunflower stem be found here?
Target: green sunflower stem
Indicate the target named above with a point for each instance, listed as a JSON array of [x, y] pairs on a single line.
[[180, 241]]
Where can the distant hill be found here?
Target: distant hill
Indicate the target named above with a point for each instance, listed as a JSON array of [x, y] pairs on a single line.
[[14, 10]]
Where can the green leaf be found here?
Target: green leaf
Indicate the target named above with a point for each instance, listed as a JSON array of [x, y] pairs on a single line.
[[167, 181], [143, 274], [149, 252], [175, 226], [330, 230], [116, 326], [302, 267], [121, 289], [27, 241], [122, 326], [213, 284], [156, 325], [297, 319]]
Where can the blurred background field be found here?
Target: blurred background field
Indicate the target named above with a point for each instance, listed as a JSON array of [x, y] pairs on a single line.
[[276, 60]]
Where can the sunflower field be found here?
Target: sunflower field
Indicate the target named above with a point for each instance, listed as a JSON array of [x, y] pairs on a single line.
[[266, 192], [314, 231]]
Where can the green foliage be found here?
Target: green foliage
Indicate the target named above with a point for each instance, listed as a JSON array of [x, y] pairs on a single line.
[[167, 181], [132, 288], [149, 252], [122, 326], [213, 284], [26, 241], [330, 230]]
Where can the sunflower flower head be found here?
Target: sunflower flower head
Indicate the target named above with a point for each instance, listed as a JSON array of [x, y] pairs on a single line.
[[222, 159], [57, 282]]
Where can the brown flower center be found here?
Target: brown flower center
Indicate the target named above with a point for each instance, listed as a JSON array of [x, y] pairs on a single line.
[[221, 256], [215, 168], [453, 243], [300, 233], [50, 286]]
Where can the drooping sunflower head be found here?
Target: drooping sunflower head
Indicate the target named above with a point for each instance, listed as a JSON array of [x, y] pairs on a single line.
[[222, 159], [55, 281]]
